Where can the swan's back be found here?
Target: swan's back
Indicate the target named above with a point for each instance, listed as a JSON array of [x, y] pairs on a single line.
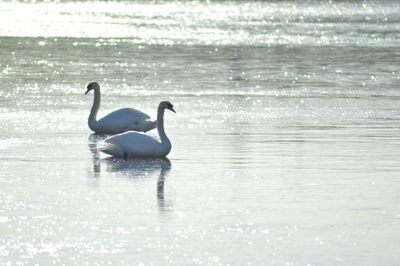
[[137, 143], [127, 112], [123, 120]]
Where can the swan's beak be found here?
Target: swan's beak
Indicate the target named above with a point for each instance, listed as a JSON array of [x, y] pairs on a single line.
[[172, 109], [87, 91]]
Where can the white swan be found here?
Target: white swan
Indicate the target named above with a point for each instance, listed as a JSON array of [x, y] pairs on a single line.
[[119, 121], [136, 144]]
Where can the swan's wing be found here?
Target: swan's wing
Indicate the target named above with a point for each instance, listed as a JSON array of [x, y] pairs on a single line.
[[132, 112], [122, 120]]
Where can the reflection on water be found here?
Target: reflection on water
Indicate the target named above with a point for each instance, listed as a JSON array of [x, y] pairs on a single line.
[[133, 168], [136, 167], [163, 204], [141, 168], [94, 151]]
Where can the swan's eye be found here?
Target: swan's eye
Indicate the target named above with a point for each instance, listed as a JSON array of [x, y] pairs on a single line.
[[169, 106]]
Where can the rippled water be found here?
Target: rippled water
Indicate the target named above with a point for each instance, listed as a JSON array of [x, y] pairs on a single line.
[[286, 140], [218, 23]]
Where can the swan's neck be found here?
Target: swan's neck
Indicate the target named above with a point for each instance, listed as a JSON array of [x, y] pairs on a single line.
[[160, 126], [95, 107]]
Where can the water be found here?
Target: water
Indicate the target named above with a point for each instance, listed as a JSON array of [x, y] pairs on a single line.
[[285, 143]]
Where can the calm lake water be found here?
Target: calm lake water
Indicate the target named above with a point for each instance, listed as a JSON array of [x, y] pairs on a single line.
[[285, 145]]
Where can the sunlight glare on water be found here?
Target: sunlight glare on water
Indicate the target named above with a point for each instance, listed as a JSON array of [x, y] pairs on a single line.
[[217, 23]]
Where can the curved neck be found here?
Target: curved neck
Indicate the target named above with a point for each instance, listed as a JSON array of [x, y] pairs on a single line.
[[95, 106], [160, 125]]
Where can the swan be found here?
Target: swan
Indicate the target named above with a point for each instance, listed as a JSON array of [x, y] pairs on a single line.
[[137, 144], [119, 121]]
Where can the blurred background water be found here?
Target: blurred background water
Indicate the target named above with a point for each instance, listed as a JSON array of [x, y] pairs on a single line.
[[286, 140]]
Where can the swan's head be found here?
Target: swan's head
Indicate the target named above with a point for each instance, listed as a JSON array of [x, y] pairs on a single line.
[[92, 85], [167, 105]]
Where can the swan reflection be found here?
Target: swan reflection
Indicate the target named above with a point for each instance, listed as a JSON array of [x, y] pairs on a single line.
[[133, 168], [140, 168], [136, 167], [94, 151]]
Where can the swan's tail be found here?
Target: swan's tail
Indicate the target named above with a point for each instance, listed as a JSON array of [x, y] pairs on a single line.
[[151, 125], [112, 149]]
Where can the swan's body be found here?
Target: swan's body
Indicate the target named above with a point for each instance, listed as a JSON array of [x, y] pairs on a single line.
[[119, 121], [136, 144]]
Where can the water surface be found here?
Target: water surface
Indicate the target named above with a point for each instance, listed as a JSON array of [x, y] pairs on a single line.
[[286, 140]]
